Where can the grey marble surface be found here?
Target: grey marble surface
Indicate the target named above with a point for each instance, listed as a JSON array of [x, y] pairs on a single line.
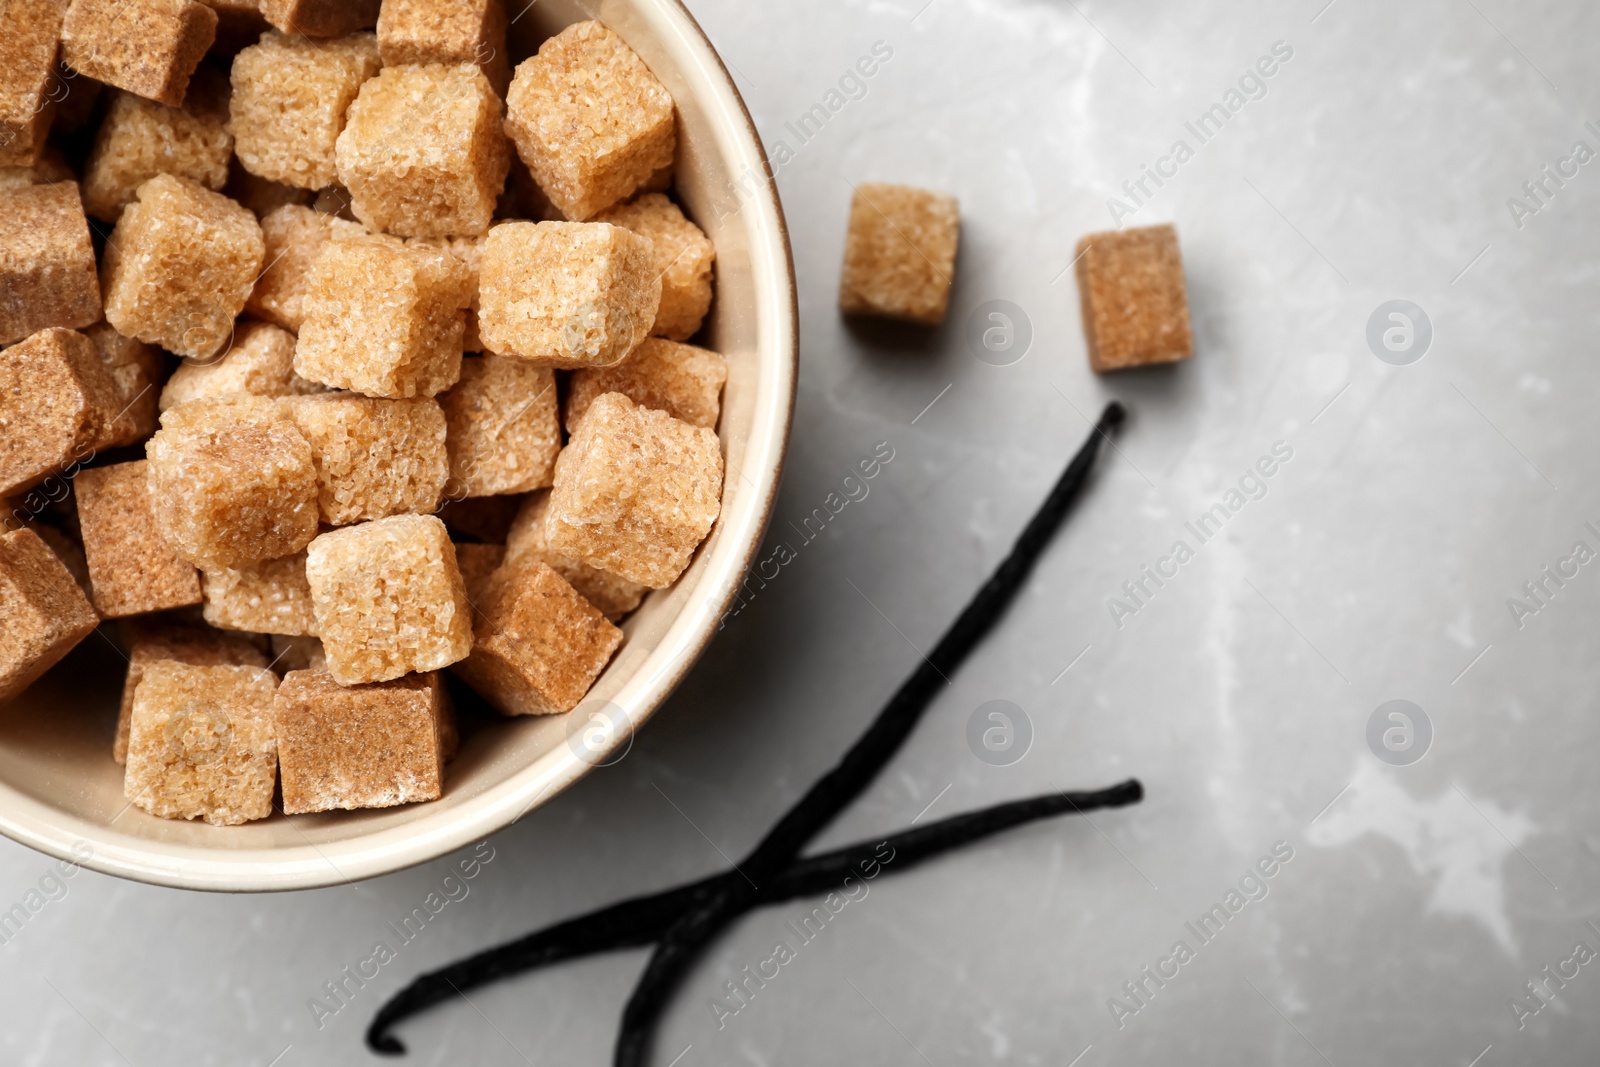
[[1378, 565]]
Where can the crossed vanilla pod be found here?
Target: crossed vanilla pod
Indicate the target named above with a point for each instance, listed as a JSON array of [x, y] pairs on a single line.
[[680, 922]]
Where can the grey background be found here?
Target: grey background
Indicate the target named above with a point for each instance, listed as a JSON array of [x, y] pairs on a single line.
[[1378, 567]]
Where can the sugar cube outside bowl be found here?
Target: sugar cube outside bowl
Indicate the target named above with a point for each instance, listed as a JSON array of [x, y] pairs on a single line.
[[60, 791]]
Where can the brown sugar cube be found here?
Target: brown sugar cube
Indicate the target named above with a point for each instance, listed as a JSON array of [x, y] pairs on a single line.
[[481, 518], [133, 570], [567, 294], [422, 151], [271, 597], [259, 362], [58, 404], [137, 370], [614, 595], [383, 318], [389, 599], [294, 236], [140, 138], [636, 491], [681, 255], [504, 428], [446, 31], [1135, 306], [179, 266], [201, 743], [291, 653], [68, 551], [46, 261], [900, 253], [321, 18], [589, 119], [365, 746], [197, 646], [469, 250], [51, 166], [682, 380], [29, 86], [477, 563], [290, 95], [539, 646], [261, 195], [374, 458], [43, 613], [232, 482], [149, 47]]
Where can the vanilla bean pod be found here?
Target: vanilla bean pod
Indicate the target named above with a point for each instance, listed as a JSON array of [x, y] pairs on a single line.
[[643, 920], [688, 936], [691, 915]]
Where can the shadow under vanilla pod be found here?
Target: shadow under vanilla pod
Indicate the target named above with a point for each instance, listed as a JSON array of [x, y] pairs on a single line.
[[680, 922]]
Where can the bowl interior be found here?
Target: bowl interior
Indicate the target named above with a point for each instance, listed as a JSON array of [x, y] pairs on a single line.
[[60, 792]]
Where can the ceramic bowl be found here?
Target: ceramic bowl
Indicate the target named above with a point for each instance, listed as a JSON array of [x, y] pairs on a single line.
[[61, 793]]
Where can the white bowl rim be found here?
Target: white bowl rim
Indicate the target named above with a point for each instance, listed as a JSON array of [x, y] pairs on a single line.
[[47, 829]]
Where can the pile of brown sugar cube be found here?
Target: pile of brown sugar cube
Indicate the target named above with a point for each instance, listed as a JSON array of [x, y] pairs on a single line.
[[372, 363]]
